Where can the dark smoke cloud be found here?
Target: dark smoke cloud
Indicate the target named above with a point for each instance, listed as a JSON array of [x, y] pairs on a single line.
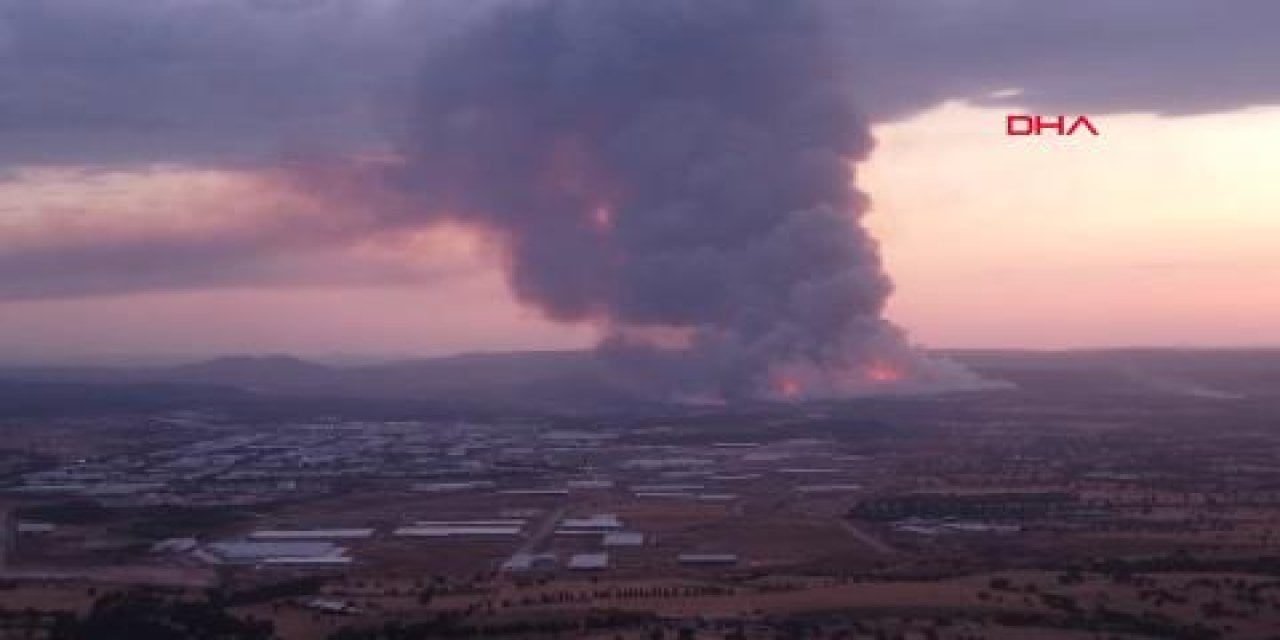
[[233, 81], [668, 166], [222, 82], [675, 170]]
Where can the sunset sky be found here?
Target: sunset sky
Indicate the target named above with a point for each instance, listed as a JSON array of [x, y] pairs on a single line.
[[141, 218]]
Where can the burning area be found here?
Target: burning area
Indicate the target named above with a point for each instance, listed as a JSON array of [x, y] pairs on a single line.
[[671, 168]]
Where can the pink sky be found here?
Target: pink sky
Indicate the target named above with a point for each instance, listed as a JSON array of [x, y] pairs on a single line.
[[1162, 231]]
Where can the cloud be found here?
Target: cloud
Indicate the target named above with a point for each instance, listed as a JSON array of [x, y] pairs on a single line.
[[67, 233], [237, 85], [205, 81], [238, 81], [1171, 57]]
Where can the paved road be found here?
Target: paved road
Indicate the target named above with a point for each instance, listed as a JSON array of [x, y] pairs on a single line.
[[544, 530], [865, 538]]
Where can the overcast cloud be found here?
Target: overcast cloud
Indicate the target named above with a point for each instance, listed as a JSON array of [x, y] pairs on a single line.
[[244, 83], [235, 81]]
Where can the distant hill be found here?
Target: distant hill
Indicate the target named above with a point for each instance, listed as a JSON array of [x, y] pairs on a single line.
[[558, 380], [255, 373], [1207, 373], [515, 379], [28, 398]]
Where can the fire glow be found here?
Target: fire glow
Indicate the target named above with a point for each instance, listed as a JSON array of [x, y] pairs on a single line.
[[705, 191], [602, 218], [873, 377], [789, 388], [882, 371]]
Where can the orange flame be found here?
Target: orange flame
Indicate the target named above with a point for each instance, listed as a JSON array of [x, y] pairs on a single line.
[[881, 371], [788, 387], [602, 218]]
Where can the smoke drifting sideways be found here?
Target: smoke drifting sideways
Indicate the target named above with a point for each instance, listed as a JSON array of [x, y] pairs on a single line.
[[680, 173]]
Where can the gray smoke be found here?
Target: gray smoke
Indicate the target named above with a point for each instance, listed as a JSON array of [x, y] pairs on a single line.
[[677, 171]]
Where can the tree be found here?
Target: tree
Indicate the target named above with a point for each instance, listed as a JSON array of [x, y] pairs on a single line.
[[147, 616]]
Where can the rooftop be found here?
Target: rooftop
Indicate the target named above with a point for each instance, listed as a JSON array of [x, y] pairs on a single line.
[[586, 561]]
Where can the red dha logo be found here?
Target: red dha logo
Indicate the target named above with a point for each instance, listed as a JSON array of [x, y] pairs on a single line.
[[1024, 125]]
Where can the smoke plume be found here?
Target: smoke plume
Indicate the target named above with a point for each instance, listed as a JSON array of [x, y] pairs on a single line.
[[679, 172]]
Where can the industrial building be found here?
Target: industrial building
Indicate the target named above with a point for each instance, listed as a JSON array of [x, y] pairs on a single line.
[[589, 561], [520, 562], [255, 552], [623, 539], [312, 534], [447, 531], [598, 522], [707, 559]]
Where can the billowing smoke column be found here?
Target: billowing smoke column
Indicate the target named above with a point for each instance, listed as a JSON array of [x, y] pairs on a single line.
[[678, 171]]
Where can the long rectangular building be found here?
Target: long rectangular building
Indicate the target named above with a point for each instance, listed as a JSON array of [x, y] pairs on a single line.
[[312, 534], [459, 530]]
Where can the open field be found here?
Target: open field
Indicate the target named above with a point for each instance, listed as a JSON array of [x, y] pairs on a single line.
[[1054, 511]]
